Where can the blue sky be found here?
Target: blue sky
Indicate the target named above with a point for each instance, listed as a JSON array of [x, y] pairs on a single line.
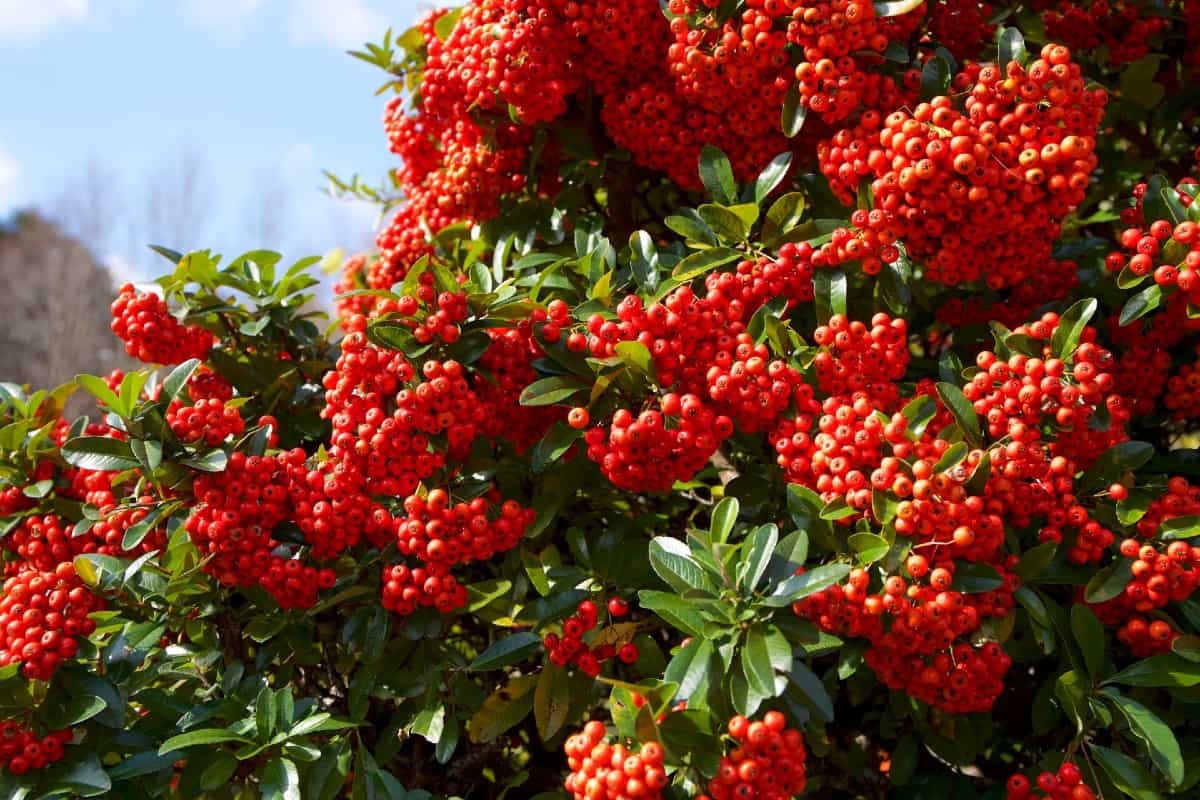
[[256, 95]]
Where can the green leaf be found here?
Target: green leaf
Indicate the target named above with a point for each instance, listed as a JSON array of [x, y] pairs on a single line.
[[199, 737], [509, 650], [138, 531], [1126, 774], [812, 688], [503, 709], [935, 78], [1034, 604], [794, 112], [704, 262], [1184, 527], [974, 577], [1071, 326], [783, 216], [637, 356], [553, 445], [218, 773], [98, 388], [837, 509], [82, 775], [1109, 582], [716, 173], [673, 561], [691, 667], [727, 225], [962, 410], [548, 391], [691, 227], [756, 555], [870, 547], [1165, 669], [1071, 692], [280, 780], [1141, 304], [919, 412], [799, 587], [680, 613], [1138, 86], [771, 176], [756, 661], [1115, 461], [1089, 633], [98, 453], [551, 701], [1035, 560], [724, 515], [645, 261], [1160, 743], [1011, 46], [955, 454], [829, 288], [212, 461], [430, 723]]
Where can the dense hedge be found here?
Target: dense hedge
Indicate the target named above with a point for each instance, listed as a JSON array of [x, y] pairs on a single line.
[[745, 399]]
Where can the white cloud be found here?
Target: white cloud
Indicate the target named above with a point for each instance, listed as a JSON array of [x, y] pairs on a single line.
[[336, 23], [228, 18], [9, 171], [22, 20], [300, 161]]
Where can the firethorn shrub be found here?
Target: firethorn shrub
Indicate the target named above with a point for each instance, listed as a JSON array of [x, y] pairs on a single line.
[[743, 400]]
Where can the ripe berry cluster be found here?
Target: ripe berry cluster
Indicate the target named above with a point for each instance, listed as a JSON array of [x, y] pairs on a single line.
[[570, 648], [433, 530], [857, 358], [600, 771], [978, 193], [508, 363], [210, 422], [41, 615], [657, 448], [766, 764], [151, 334], [1066, 784], [1158, 578], [1145, 637], [1123, 28], [22, 750], [431, 585], [1170, 252]]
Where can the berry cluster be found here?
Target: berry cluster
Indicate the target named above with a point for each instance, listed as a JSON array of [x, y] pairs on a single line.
[[210, 422], [206, 384], [1146, 638], [856, 358], [151, 334], [978, 193], [1170, 252], [1122, 27], [651, 452], [41, 615], [433, 530], [1066, 784], [1158, 578], [600, 771], [766, 764], [22, 750], [507, 366], [405, 590], [962, 26], [570, 648]]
